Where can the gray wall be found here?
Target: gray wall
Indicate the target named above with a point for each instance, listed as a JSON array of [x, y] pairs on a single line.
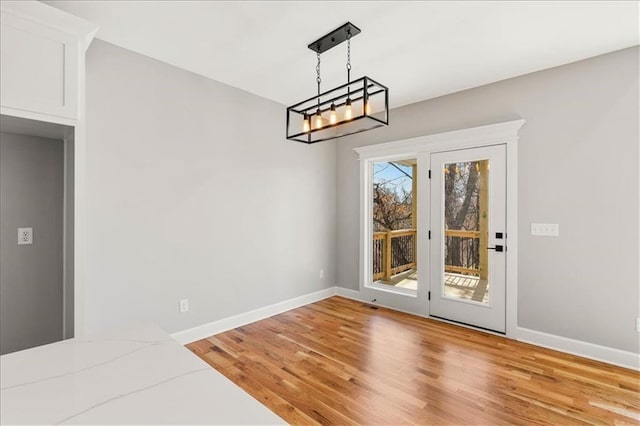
[[578, 166], [193, 192], [69, 246], [31, 195]]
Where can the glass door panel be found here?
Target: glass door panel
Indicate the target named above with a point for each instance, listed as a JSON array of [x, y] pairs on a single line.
[[465, 231], [394, 242]]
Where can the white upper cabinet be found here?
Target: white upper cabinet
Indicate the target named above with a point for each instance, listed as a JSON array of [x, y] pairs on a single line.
[[41, 60]]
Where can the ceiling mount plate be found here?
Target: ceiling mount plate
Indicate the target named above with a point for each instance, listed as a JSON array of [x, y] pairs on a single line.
[[334, 38]]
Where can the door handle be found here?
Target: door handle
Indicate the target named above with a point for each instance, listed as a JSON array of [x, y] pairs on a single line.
[[496, 248]]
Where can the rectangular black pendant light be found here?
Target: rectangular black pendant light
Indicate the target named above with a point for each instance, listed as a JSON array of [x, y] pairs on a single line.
[[354, 107]]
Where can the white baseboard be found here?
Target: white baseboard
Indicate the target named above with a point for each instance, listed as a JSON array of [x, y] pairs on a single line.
[[563, 344], [348, 293], [577, 347], [200, 332], [355, 295]]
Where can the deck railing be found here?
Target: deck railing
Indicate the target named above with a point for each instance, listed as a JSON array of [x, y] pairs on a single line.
[[462, 251], [395, 252]]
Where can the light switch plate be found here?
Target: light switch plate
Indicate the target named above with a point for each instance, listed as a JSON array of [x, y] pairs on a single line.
[[25, 236], [545, 229]]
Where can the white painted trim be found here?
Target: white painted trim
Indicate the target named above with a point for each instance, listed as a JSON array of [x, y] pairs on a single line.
[[511, 238], [358, 297], [577, 347], [31, 115], [79, 224], [65, 235], [364, 273], [458, 139], [349, 294], [470, 327], [200, 332], [52, 17], [84, 32], [80, 206], [421, 148], [73, 34]]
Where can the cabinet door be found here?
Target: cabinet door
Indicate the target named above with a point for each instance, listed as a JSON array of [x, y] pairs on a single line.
[[38, 67]]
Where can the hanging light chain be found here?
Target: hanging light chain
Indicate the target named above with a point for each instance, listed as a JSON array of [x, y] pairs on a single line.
[[318, 79], [348, 67], [349, 57]]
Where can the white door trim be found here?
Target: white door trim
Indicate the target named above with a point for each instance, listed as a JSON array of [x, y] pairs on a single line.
[[422, 147]]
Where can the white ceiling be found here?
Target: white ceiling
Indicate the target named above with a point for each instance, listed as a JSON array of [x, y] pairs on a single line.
[[420, 50]]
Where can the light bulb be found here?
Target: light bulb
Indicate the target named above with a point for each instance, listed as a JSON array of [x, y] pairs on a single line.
[[367, 108], [318, 122], [305, 124], [348, 113], [333, 117]]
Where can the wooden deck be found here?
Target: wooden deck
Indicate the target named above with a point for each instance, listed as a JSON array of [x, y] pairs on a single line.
[[460, 286], [341, 362]]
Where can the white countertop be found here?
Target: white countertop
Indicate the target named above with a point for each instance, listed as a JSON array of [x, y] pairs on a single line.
[[133, 375]]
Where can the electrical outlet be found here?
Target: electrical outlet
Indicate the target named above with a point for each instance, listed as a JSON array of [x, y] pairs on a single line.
[[321, 273], [638, 324], [25, 236], [545, 229], [184, 305]]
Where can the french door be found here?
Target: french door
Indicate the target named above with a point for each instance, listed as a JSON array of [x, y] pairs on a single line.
[[436, 238], [467, 260]]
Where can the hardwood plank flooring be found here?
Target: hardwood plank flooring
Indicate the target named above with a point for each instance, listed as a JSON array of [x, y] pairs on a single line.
[[340, 362]]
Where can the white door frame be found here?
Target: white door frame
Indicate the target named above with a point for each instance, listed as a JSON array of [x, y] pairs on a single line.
[[85, 33], [421, 148]]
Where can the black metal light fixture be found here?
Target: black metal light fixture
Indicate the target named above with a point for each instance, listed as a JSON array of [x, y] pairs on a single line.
[[354, 107]]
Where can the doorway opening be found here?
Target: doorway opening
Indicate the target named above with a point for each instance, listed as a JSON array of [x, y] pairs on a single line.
[[437, 246], [37, 203]]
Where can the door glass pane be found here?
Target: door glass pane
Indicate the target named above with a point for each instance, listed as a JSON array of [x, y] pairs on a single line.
[[394, 224], [466, 266]]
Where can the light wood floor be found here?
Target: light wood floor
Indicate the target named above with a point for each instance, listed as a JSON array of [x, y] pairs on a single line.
[[340, 362]]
